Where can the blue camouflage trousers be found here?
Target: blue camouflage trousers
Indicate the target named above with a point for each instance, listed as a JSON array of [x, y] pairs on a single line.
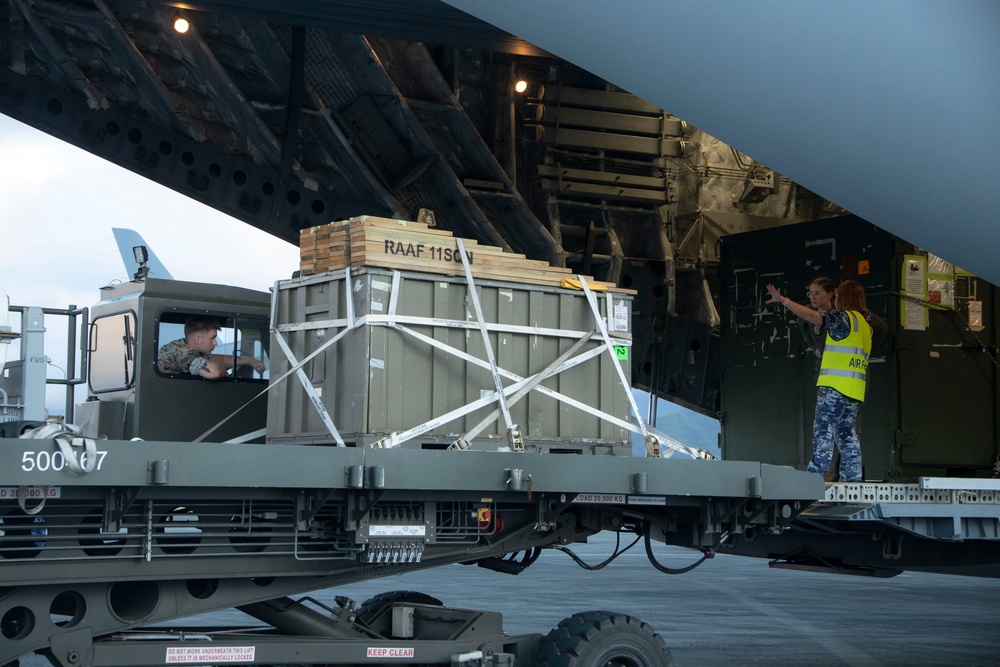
[[836, 418]]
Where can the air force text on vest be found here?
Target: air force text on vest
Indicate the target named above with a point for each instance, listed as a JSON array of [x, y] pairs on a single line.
[[424, 251], [859, 363]]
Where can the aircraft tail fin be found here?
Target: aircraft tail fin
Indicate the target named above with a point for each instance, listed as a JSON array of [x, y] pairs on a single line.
[[128, 240]]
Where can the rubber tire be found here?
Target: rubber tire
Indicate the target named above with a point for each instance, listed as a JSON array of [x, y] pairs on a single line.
[[373, 606], [597, 638]]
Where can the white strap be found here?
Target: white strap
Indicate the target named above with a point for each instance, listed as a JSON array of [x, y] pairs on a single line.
[[296, 368], [247, 437], [274, 383], [576, 361], [22, 500], [375, 319], [474, 296], [397, 439], [599, 322], [310, 390], [67, 437], [544, 374]]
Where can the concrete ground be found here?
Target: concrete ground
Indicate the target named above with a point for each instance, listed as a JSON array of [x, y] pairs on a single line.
[[728, 611], [737, 611]]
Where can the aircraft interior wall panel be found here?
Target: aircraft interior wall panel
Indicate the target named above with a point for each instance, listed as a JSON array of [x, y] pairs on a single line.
[[931, 406], [948, 387], [768, 387]]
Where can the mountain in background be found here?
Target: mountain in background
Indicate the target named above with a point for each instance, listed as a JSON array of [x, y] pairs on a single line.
[[686, 426]]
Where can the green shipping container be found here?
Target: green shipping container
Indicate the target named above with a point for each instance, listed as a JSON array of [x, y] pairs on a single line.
[[408, 364]]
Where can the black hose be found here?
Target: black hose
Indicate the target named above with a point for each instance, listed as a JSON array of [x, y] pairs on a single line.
[[600, 566], [670, 570]]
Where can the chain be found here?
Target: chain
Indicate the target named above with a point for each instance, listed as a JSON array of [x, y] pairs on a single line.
[[937, 307]]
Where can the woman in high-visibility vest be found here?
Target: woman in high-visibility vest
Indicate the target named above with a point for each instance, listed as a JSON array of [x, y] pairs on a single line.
[[842, 378]]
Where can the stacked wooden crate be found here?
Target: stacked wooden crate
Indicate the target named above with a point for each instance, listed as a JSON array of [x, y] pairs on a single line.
[[414, 246]]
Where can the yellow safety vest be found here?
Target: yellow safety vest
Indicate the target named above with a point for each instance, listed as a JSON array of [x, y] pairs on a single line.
[[845, 362]]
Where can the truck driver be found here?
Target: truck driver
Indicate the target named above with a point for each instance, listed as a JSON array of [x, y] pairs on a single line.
[[193, 353]]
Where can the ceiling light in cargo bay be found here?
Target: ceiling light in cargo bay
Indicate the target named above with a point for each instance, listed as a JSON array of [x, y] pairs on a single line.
[[181, 24], [531, 89]]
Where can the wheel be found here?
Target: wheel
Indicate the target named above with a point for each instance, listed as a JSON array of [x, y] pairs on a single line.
[[602, 638], [371, 608]]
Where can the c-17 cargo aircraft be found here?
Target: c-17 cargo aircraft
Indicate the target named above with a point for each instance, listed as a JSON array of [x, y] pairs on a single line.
[[295, 117]]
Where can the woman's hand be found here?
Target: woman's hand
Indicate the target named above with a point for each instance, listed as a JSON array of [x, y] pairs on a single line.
[[775, 294]]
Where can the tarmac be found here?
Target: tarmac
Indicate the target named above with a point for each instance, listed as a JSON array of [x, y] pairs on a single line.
[[729, 611], [733, 610]]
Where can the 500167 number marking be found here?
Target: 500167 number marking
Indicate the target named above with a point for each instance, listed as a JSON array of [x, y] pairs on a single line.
[[55, 461]]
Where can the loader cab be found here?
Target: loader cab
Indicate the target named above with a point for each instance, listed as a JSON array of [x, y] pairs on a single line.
[[127, 394]]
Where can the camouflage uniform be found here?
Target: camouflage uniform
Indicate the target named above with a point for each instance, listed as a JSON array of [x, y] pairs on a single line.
[[814, 337], [836, 416], [177, 357]]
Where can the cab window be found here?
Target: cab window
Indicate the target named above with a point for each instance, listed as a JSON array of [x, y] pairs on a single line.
[[239, 338], [112, 352]]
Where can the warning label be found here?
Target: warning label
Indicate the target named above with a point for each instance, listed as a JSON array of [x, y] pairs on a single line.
[[187, 655], [385, 652], [31, 492], [396, 531], [647, 500]]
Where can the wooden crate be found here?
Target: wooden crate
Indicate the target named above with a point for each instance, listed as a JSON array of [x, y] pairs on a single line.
[[414, 246]]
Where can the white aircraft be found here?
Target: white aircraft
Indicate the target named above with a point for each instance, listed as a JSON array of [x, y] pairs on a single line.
[[140, 261]]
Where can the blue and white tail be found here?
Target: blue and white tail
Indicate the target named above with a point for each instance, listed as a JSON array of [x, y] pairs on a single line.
[[128, 241]]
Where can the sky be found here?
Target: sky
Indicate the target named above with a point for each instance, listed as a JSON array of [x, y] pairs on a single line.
[[57, 207]]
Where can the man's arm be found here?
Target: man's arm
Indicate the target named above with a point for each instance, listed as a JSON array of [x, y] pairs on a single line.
[[226, 362], [177, 358], [212, 370]]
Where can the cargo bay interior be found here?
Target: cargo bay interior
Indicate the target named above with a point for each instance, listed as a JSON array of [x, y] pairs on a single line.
[[610, 161]]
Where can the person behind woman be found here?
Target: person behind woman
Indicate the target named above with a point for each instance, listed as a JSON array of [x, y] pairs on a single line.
[[821, 294], [842, 378]]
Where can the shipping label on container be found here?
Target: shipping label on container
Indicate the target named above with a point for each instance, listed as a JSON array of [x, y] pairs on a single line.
[[622, 316]]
